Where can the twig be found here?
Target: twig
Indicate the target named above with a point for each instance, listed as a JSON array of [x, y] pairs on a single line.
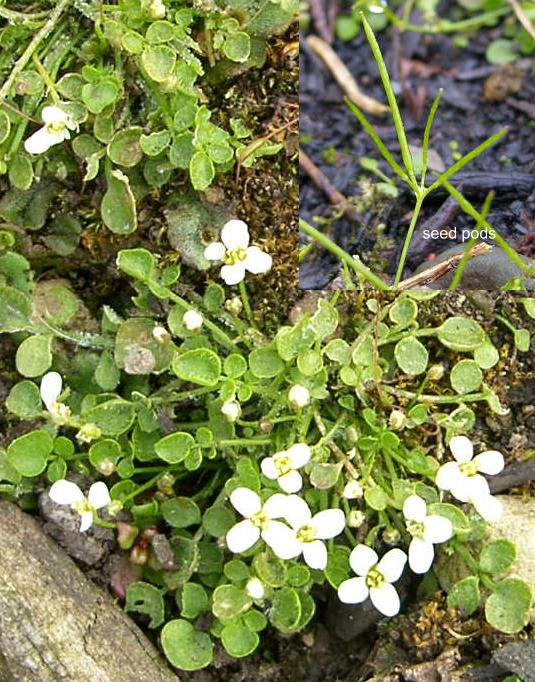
[[344, 78], [437, 271], [320, 20], [28, 52], [522, 18], [256, 144]]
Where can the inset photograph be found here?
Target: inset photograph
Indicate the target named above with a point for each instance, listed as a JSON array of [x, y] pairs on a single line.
[[416, 146]]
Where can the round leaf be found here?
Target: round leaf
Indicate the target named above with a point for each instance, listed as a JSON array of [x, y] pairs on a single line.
[[497, 556], [180, 512], [238, 640], [200, 366], [34, 356], [145, 598], [460, 333], [466, 376], [265, 363], [411, 355], [185, 647], [174, 447], [24, 400], [28, 453], [508, 608], [124, 148], [228, 601], [465, 596]]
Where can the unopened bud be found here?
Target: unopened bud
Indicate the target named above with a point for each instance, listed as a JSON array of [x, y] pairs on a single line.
[[352, 490], [88, 432], [391, 536], [231, 409], [161, 335], [192, 320], [114, 507], [234, 305], [139, 555], [435, 372], [106, 467], [396, 421], [255, 588], [299, 396], [155, 9], [355, 518], [165, 484]]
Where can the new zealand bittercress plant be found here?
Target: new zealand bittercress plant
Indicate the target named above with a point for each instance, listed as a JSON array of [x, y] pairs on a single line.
[[238, 471]]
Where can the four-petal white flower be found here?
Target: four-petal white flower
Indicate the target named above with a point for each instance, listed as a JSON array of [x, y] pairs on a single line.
[[238, 256], [374, 579], [67, 492], [50, 389], [259, 522], [282, 467], [463, 480], [426, 530], [58, 125], [308, 532]]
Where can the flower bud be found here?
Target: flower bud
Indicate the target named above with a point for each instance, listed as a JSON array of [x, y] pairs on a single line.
[[165, 484], [231, 409], [391, 536], [299, 396], [192, 320], [106, 467], [352, 490], [435, 372], [355, 518], [114, 507], [139, 555], [88, 432], [161, 335], [255, 588], [155, 9], [234, 305], [396, 421]]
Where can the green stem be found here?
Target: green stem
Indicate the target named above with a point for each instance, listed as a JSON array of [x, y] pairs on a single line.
[[141, 488], [97, 521], [184, 395], [44, 75], [34, 43], [246, 304], [14, 16], [437, 399], [444, 26], [245, 442], [408, 238], [358, 267]]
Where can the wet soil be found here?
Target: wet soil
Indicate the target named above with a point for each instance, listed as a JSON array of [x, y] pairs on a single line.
[[418, 64]]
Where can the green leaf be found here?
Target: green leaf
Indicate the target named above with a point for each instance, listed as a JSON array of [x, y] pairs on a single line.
[[522, 340], [404, 312], [255, 620], [508, 607], [124, 148], [411, 355], [201, 171], [270, 569], [265, 363], [21, 172], [459, 520], [180, 512], [529, 305], [136, 349], [104, 450], [138, 263], [501, 51], [155, 143], [174, 447], [182, 150], [160, 32], [15, 310], [118, 205], [238, 640], [466, 377], [237, 47], [193, 600], [107, 374], [217, 520], [461, 334], [24, 400], [497, 556], [158, 61], [185, 647], [55, 303], [236, 570], [98, 96], [34, 356], [200, 366], [465, 596], [376, 498], [113, 417], [229, 601], [325, 320], [5, 126], [338, 351], [144, 598], [285, 612], [234, 365], [324, 476], [309, 362], [486, 355], [29, 453]]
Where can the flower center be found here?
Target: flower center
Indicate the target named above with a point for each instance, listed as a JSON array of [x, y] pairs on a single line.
[[83, 506], [306, 534], [282, 465], [260, 520], [374, 578], [57, 127], [415, 528], [233, 257], [468, 468]]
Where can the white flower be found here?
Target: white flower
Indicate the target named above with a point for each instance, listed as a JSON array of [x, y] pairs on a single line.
[[50, 389], [67, 492], [258, 522], [234, 249], [192, 320], [463, 480], [374, 580], [231, 409], [255, 588], [299, 396], [426, 530], [161, 335], [56, 129], [308, 531], [352, 490], [282, 467]]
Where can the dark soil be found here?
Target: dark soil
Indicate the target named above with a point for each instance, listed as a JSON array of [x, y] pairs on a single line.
[[334, 140]]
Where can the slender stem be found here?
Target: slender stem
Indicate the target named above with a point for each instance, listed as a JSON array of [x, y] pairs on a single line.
[[141, 488], [13, 15], [245, 442], [45, 76], [361, 270], [36, 40], [427, 134], [246, 304], [399, 272], [444, 26], [437, 399], [97, 521]]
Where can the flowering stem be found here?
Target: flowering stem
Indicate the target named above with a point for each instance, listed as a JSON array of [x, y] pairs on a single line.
[[438, 399], [97, 521], [408, 239], [141, 488], [246, 304], [45, 76]]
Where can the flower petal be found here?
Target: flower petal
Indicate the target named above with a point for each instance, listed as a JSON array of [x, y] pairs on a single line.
[[353, 591], [421, 555], [448, 476], [99, 495], [242, 536], [50, 388], [414, 508], [42, 140], [490, 462], [53, 114], [392, 564], [489, 507], [282, 540], [315, 554], [462, 449], [245, 501], [328, 523], [215, 251], [233, 274], [267, 465], [292, 508], [86, 521], [65, 492], [362, 558], [235, 235], [437, 528], [257, 261], [385, 599], [291, 482], [477, 487], [299, 455]]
